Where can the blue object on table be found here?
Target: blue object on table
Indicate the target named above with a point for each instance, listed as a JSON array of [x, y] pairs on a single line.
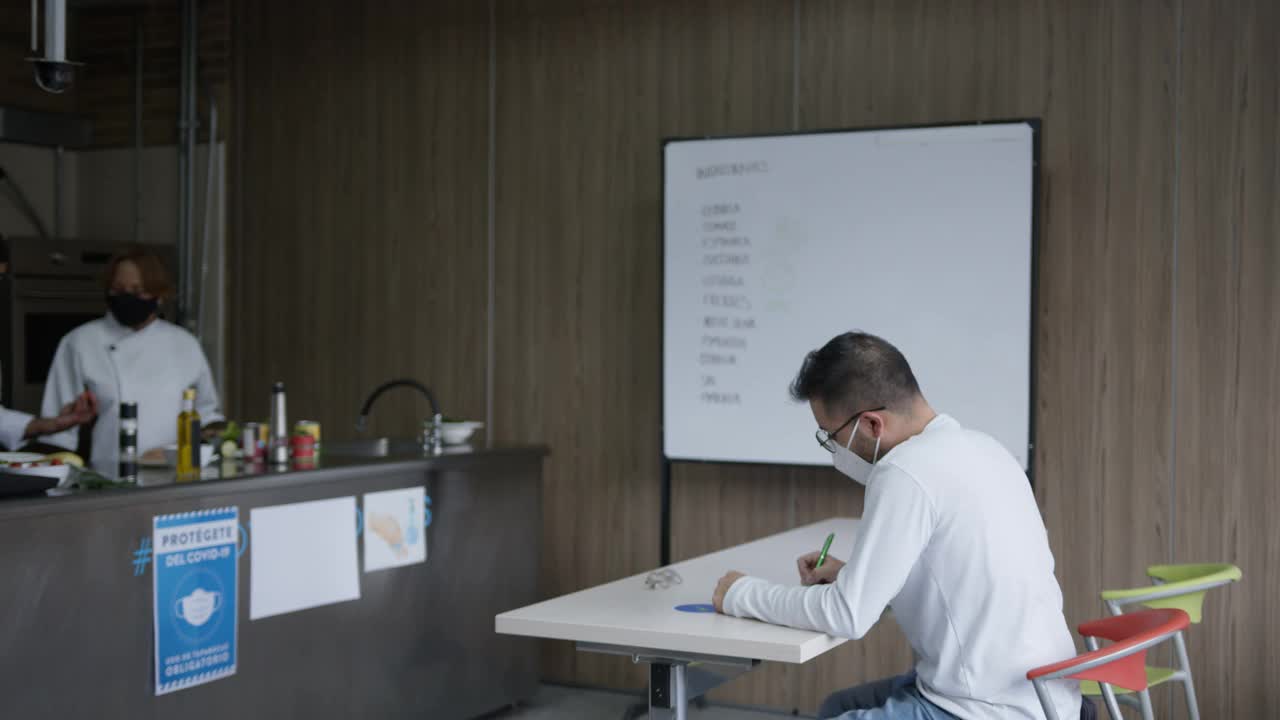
[[697, 608]]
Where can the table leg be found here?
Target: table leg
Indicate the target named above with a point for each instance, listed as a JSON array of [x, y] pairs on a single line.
[[668, 691], [676, 678]]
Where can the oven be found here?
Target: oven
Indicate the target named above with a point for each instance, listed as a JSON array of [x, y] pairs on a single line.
[[48, 287]]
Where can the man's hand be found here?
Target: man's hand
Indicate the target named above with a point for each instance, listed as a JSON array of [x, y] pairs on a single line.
[[722, 589], [82, 410], [810, 575]]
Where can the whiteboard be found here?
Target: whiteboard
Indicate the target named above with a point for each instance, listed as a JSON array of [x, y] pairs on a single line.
[[774, 245]]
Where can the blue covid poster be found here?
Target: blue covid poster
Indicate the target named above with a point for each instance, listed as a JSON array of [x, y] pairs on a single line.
[[195, 591]]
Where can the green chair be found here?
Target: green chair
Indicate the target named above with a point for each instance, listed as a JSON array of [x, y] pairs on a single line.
[[1180, 587]]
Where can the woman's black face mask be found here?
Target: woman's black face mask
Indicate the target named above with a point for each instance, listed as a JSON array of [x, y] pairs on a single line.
[[131, 310]]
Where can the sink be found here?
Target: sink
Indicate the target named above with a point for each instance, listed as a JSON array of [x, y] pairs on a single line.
[[375, 447]]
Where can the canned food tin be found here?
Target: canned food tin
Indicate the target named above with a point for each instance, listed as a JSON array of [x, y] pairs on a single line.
[[302, 446], [251, 447], [309, 427]]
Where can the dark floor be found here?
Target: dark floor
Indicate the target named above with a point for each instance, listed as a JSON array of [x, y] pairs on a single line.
[[554, 702]]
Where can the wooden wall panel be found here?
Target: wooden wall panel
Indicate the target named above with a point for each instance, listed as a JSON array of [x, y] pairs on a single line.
[[726, 71], [1099, 77], [360, 252], [715, 506], [1228, 346], [359, 249], [1105, 274], [867, 63], [583, 95], [577, 267]]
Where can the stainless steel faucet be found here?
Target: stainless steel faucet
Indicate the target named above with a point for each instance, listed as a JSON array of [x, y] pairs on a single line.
[[432, 435]]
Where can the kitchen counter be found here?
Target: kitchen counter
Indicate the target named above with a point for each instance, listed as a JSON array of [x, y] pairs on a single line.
[[79, 624], [214, 480]]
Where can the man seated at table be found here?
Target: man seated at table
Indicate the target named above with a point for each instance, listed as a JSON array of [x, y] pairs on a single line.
[[950, 539]]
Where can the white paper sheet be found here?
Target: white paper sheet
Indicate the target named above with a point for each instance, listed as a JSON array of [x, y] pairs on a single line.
[[303, 555], [394, 533]]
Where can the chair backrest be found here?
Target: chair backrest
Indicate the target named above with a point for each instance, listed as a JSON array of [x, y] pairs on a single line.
[[1122, 663], [1179, 586]]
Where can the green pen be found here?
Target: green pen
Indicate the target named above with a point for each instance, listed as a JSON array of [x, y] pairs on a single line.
[[825, 547]]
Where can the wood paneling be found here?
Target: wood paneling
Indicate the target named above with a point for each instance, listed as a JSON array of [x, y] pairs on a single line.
[[359, 252], [714, 506], [866, 64], [586, 92], [576, 282], [727, 70], [1103, 456], [1227, 457], [1105, 274], [362, 253], [1099, 76]]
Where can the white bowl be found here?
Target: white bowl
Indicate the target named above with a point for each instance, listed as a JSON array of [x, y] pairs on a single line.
[[458, 433]]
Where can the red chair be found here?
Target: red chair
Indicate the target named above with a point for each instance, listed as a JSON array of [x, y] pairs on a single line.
[[1123, 663]]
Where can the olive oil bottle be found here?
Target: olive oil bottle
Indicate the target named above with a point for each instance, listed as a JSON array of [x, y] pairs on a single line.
[[188, 436]]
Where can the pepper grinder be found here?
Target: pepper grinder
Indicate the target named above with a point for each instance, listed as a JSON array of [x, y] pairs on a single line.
[[279, 426]]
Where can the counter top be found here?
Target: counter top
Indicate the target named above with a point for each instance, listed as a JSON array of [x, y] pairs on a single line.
[[163, 484]]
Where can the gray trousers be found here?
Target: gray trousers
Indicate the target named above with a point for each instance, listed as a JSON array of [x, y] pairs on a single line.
[[897, 698]]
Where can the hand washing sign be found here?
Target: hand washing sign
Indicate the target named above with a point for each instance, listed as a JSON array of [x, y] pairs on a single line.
[[194, 597], [394, 531]]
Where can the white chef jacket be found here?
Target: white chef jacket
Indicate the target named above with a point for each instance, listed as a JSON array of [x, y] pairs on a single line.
[[951, 540], [13, 426], [150, 367]]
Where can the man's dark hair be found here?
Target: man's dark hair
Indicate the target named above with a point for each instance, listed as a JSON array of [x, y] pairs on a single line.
[[856, 371]]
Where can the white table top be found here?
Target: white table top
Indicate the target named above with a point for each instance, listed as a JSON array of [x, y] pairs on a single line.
[[626, 613]]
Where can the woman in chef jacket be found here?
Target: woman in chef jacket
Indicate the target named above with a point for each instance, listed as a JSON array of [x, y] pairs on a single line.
[[131, 355]]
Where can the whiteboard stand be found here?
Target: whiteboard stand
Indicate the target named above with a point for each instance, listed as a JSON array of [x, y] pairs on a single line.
[[664, 556]]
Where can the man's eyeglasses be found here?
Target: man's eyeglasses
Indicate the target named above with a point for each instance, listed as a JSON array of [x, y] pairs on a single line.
[[827, 439], [662, 579]]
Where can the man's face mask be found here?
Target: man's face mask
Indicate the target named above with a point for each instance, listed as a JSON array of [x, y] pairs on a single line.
[[842, 456], [848, 462]]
